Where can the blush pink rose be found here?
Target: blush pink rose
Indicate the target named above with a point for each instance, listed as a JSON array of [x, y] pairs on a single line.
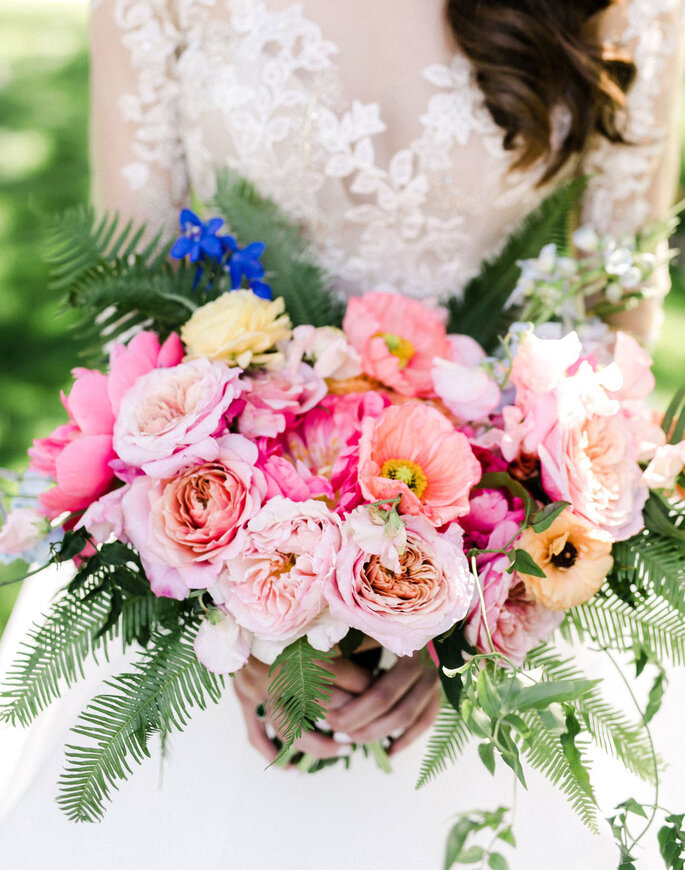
[[168, 410], [414, 452], [127, 362], [397, 338], [182, 526], [517, 623], [402, 609], [274, 582], [273, 399]]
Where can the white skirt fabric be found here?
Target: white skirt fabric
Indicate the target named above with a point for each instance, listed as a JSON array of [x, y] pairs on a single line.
[[211, 804]]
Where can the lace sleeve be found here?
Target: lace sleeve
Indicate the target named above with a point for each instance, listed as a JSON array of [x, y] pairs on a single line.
[[137, 155], [634, 183]]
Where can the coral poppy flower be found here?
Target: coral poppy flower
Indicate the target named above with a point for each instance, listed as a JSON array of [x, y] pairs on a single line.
[[414, 452]]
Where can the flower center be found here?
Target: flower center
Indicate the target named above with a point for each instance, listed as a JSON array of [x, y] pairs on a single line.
[[407, 472], [565, 557], [399, 347]]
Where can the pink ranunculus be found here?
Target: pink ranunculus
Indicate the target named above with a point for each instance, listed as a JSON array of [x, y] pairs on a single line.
[[183, 526], [273, 399], [397, 338], [221, 644], [403, 609], [327, 349], [273, 584], [22, 530], [77, 455], [414, 452], [170, 409], [128, 362], [590, 457], [326, 441]]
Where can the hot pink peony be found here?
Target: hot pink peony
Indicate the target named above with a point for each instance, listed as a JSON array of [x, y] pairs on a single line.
[[274, 582], [168, 410], [402, 609], [413, 451], [398, 338], [183, 526], [517, 623]]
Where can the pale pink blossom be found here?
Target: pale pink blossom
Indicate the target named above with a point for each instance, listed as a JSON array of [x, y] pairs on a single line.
[[540, 365], [326, 349], [397, 338], [413, 452], [221, 644], [22, 530], [405, 609], [468, 392], [378, 533], [168, 410], [183, 526], [273, 399], [666, 466], [273, 584], [104, 518]]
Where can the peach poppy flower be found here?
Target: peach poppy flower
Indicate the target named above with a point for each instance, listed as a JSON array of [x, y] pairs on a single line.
[[575, 556], [414, 452]]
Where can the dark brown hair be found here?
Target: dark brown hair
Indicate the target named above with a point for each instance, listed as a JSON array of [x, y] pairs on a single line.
[[533, 55]]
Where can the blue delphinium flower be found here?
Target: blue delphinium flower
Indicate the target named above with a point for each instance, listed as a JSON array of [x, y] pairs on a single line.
[[245, 263], [198, 237]]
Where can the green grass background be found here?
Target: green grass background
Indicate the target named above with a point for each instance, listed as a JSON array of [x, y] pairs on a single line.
[[44, 169]]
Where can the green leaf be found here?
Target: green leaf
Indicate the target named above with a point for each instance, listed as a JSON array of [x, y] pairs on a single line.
[[166, 683], [486, 751], [632, 806], [497, 861], [524, 563], [448, 738], [541, 520], [456, 840], [299, 690], [540, 696], [472, 855], [572, 753], [656, 695], [352, 641]]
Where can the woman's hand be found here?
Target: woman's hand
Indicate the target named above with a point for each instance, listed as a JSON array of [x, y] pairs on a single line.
[[251, 685], [404, 700]]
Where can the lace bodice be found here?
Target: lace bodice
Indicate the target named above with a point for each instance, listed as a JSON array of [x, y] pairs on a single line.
[[359, 118]]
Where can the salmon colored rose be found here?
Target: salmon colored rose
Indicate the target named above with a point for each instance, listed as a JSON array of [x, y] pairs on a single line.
[[397, 338], [414, 452]]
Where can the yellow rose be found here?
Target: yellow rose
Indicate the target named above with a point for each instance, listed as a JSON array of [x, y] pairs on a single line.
[[238, 328], [575, 556]]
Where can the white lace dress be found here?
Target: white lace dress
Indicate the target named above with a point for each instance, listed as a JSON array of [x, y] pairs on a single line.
[[366, 122]]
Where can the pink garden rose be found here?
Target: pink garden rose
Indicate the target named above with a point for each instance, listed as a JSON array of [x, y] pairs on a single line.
[[397, 338], [517, 623], [274, 582], [77, 455], [182, 526], [414, 452], [406, 608], [169, 410], [273, 399]]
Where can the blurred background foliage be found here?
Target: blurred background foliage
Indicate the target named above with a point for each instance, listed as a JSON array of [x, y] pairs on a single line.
[[43, 170]]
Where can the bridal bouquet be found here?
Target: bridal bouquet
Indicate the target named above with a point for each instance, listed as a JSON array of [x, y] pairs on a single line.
[[282, 477]]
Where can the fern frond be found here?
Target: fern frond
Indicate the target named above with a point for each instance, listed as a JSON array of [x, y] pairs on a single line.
[[448, 738], [303, 284], [544, 752], [480, 310], [299, 690], [166, 683], [610, 622], [610, 728], [54, 653], [653, 563]]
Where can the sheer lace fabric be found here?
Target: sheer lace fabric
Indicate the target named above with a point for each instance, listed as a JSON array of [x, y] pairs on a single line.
[[388, 157]]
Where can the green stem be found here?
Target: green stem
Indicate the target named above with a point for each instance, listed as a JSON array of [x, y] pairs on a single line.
[[380, 756], [25, 576], [481, 598], [655, 762], [181, 300]]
